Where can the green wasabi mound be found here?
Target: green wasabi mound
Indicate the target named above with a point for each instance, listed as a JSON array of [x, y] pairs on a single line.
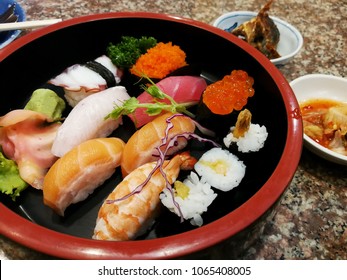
[[10, 181], [46, 101]]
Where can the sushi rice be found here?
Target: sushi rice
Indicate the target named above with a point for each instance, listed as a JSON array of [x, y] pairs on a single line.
[[217, 168], [220, 169], [253, 140], [199, 197]]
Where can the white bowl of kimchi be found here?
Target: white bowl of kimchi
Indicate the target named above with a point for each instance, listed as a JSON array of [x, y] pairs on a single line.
[[323, 104]]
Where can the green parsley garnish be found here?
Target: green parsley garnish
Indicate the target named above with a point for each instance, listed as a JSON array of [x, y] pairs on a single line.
[[129, 49], [152, 109]]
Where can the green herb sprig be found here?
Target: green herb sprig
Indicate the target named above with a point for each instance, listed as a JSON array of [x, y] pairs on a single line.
[[125, 53], [152, 109]]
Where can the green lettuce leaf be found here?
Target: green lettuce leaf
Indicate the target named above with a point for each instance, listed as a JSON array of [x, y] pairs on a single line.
[[10, 181]]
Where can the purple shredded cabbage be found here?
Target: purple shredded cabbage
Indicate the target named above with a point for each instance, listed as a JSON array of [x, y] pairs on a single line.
[[162, 153]]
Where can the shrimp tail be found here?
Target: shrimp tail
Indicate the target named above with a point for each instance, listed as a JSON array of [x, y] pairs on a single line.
[[133, 204], [188, 161]]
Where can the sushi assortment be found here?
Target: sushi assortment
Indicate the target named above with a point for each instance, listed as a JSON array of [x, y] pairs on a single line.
[[69, 156]]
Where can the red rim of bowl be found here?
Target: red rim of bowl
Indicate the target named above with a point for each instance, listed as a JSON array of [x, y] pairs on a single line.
[[66, 246]]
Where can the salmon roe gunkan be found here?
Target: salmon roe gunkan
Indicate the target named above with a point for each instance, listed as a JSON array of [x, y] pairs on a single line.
[[230, 93]]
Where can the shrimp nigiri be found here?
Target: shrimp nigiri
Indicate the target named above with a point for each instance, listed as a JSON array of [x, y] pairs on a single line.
[[80, 171], [127, 213], [141, 147]]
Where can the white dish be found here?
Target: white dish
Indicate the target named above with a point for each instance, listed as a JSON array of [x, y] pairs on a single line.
[[7, 37], [290, 42], [321, 86]]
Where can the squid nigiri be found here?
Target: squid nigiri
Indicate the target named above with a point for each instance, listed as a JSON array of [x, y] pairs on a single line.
[[141, 146], [82, 80], [126, 214], [183, 89], [87, 120], [80, 171]]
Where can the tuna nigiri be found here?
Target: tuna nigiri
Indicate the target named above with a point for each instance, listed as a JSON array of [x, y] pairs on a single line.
[[125, 215], [87, 120], [82, 80], [141, 147], [183, 89], [80, 171]]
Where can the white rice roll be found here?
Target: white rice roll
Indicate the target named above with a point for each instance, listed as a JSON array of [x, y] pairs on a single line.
[[87, 120], [199, 197], [253, 140], [221, 169]]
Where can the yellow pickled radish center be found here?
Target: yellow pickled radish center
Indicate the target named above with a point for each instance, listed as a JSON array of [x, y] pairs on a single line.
[[182, 190], [219, 166]]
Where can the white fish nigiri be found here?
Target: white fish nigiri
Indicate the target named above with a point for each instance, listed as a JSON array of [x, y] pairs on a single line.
[[87, 120]]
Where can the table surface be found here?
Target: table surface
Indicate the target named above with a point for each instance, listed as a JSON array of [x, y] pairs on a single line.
[[311, 219]]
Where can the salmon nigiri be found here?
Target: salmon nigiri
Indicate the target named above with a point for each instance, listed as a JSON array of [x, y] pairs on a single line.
[[127, 212], [80, 171], [141, 147]]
